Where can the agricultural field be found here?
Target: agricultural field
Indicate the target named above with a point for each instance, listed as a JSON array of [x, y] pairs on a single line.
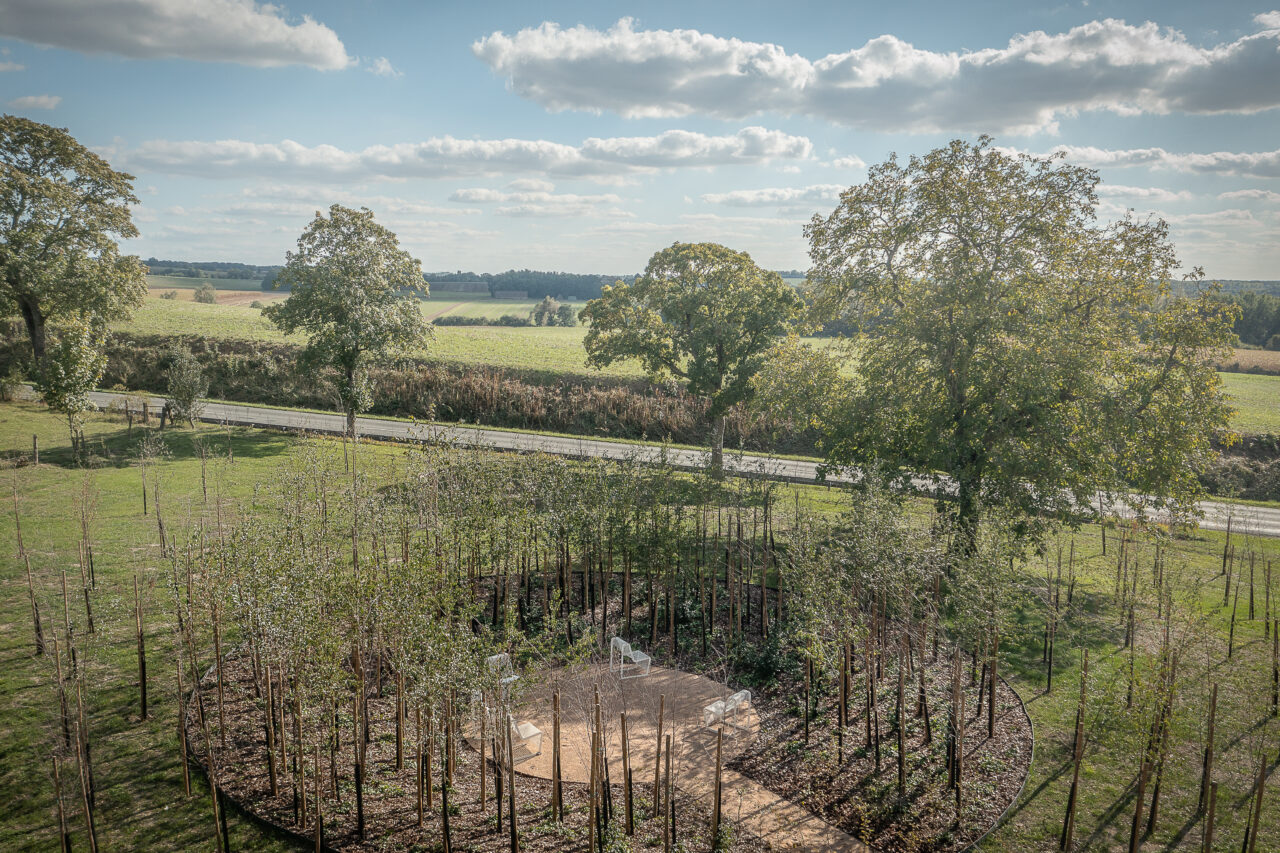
[[554, 349], [182, 282], [487, 309], [1267, 361], [1134, 599], [1256, 399]]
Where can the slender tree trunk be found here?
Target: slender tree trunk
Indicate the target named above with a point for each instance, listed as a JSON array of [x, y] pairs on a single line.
[[717, 445]]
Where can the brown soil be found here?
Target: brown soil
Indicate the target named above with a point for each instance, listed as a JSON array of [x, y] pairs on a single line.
[[866, 803], [390, 795]]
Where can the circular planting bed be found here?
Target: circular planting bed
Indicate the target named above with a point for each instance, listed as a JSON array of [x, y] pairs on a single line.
[[390, 800]]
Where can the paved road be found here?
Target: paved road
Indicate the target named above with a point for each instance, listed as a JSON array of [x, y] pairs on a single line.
[[1259, 521]]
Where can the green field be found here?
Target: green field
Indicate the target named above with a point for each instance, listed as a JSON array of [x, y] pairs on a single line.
[[159, 282], [488, 309], [555, 349], [1257, 401], [552, 349]]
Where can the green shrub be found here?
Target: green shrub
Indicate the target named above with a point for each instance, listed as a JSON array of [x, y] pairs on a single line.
[[187, 384], [206, 294], [257, 303], [169, 294], [10, 382]]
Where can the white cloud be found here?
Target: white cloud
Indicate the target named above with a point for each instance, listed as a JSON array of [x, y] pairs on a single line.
[[853, 161], [1251, 195], [531, 185], [888, 84], [36, 102], [447, 157], [1233, 217], [542, 203], [1260, 164], [6, 65], [685, 148], [1268, 20], [305, 200], [383, 68], [1154, 194], [241, 31], [778, 196]]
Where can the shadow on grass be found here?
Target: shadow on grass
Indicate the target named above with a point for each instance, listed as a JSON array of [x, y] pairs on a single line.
[[120, 448], [1024, 656]]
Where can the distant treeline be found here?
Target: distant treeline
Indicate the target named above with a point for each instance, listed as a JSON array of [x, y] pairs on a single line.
[[208, 269], [1259, 321]]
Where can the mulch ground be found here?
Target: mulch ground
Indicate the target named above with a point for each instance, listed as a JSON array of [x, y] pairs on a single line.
[[865, 802], [390, 802]]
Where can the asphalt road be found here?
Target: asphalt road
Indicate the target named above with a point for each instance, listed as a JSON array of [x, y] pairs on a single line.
[[1257, 521]]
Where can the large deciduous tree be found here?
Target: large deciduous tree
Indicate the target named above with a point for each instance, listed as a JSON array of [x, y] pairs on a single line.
[[702, 313], [1010, 342], [353, 292], [62, 207]]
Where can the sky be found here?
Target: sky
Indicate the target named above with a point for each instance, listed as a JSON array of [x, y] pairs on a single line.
[[584, 137]]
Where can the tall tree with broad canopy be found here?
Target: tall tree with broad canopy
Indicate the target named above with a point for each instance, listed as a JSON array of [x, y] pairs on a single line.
[[353, 291], [1012, 349], [61, 210], [702, 313]]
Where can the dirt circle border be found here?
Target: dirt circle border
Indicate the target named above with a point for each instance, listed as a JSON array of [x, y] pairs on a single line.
[[309, 839], [1026, 777]]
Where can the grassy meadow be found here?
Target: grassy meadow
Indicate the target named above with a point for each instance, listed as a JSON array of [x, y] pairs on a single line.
[[141, 805]]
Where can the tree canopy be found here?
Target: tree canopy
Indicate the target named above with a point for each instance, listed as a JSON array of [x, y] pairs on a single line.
[[1009, 347], [352, 291], [701, 313], [72, 368], [62, 208]]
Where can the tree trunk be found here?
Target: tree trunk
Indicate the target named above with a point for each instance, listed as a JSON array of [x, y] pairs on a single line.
[[33, 317], [717, 445], [967, 514]]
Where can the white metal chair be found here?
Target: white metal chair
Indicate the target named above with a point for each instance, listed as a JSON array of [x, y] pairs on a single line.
[[525, 735], [719, 710], [621, 652], [500, 667]]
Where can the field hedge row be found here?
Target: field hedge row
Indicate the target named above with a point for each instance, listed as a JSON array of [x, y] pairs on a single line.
[[268, 374]]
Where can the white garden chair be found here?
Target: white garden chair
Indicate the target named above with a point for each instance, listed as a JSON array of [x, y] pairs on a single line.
[[525, 735], [500, 667], [719, 710], [620, 653]]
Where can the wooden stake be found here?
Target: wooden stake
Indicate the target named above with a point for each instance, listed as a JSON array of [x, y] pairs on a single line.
[[626, 778], [1207, 846], [715, 805], [1251, 833], [1077, 751], [511, 795], [1135, 839], [657, 759], [142, 649], [557, 795]]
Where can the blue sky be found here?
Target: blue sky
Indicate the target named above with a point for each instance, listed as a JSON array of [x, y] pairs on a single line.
[[585, 136]]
